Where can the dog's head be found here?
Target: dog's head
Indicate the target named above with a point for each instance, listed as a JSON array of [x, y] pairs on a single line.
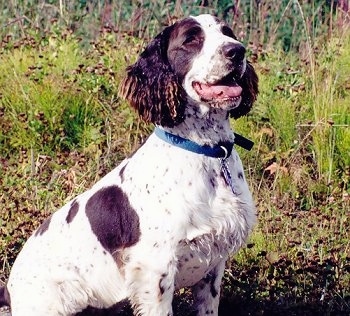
[[197, 60]]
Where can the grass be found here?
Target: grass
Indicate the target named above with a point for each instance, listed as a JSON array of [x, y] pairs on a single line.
[[300, 173], [62, 127]]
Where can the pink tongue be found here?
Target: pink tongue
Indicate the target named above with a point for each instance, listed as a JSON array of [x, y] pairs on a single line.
[[216, 91]]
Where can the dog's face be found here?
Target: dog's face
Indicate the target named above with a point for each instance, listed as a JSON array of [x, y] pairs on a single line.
[[208, 60], [197, 60]]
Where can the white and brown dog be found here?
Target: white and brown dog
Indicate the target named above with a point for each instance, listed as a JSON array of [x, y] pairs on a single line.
[[170, 215]]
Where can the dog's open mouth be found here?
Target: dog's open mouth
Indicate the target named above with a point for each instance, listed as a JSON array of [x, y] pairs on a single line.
[[224, 89]]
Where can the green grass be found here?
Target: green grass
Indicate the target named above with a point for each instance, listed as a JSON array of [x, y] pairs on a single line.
[[62, 127]]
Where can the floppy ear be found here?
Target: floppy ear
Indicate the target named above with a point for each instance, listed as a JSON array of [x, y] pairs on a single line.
[[152, 88], [249, 84]]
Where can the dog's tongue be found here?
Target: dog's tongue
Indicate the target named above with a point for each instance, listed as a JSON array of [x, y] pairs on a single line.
[[209, 92]]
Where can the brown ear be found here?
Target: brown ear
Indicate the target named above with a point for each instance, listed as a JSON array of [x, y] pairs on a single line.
[[250, 90], [152, 88]]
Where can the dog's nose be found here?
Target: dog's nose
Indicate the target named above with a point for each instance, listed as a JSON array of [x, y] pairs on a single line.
[[234, 51]]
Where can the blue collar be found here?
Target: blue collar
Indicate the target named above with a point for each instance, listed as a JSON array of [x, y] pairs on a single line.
[[221, 150]]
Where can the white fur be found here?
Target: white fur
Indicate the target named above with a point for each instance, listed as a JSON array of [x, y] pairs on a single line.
[[190, 222]]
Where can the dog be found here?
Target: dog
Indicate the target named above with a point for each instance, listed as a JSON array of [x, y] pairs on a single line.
[[168, 216]]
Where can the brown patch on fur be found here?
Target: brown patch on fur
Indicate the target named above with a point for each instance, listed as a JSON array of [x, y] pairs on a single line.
[[43, 227], [152, 88], [249, 83], [5, 299], [74, 208]]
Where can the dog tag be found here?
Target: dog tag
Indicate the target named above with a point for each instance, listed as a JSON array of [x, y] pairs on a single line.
[[227, 174]]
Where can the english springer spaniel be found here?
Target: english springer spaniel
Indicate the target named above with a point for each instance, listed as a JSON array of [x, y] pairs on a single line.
[[168, 216]]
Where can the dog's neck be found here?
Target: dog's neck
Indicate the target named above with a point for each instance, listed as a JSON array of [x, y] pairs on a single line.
[[204, 125]]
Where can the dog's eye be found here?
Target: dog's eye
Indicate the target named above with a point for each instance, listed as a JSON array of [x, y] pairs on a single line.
[[193, 36], [227, 31], [190, 39]]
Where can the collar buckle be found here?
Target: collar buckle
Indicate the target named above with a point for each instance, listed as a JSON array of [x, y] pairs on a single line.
[[227, 154]]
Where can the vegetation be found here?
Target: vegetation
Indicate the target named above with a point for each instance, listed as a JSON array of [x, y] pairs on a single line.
[[62, 127]]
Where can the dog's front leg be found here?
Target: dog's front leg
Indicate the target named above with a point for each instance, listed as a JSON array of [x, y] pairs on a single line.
[[150, 280], [207, 291]]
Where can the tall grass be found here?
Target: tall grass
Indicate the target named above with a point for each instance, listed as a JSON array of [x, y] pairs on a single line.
[[259, 22]]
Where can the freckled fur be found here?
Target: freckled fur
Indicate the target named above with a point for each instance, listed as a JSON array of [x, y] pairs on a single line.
[[164, 218]]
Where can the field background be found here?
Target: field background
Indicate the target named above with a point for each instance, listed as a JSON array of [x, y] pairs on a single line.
[[62, 127]]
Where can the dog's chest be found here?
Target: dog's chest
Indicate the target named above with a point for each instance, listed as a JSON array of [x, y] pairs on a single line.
[[197, 257], [184, 203]]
